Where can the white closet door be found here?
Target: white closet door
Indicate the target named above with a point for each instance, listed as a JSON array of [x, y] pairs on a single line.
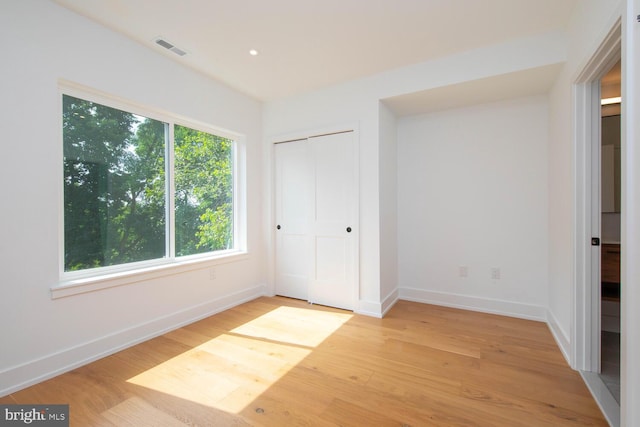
[[293, 203], [332, 227], [316, 211]]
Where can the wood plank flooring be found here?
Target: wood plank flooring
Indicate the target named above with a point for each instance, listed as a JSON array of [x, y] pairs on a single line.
[[282, 362]]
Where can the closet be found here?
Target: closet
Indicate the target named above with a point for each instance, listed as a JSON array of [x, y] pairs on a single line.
[[316, 214]]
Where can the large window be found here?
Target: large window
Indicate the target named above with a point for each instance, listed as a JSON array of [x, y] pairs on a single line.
[[139, 190]]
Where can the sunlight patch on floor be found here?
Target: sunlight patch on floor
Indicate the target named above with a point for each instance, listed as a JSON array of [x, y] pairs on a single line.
[[293, 325], [228, 372], [135, 412]]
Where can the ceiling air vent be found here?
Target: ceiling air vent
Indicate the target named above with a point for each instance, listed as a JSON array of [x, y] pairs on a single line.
[[169, 46]]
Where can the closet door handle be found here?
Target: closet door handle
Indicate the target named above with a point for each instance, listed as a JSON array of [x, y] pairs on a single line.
[[278, 227], [348, 229]]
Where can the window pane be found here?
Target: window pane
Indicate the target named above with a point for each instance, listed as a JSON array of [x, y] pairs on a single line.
[[204, 192], [114, 186]]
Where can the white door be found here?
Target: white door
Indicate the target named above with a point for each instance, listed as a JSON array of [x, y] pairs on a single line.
[[316, 213], [293, 200], [332, 227]]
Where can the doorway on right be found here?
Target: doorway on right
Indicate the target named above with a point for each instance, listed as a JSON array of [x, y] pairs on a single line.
[[610, 196]]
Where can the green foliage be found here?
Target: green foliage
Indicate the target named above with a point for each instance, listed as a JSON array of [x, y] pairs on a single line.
[[115, 187], [204, 191], [215, 229]]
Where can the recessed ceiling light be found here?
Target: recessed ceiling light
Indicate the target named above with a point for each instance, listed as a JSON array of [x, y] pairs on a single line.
[[253, 52]]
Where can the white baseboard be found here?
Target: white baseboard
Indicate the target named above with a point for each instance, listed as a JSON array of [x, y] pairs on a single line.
[[484, 305], [389, 301], [369, 308], [35, 371], [377, 309], [561, 337]]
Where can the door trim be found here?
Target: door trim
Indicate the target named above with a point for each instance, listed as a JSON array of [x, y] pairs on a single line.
[[585, 332]]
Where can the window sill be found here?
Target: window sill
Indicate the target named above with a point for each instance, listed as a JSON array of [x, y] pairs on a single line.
[[95, 283]]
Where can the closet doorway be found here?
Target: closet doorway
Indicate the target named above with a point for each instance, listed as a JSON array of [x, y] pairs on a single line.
[[316, 228]]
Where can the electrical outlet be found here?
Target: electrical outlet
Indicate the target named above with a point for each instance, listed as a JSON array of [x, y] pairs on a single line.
[[495, 273], [212, 274], [463, 271]]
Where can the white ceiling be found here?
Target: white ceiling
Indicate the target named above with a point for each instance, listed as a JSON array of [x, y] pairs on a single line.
[[530, 82], [310, 44]]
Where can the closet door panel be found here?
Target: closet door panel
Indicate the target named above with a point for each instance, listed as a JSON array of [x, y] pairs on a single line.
[[333, 263], [293, 255]]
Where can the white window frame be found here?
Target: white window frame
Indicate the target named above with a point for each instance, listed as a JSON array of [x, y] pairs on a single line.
[[88, 280]]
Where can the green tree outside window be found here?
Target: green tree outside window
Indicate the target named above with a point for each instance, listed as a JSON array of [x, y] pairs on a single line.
[[115, 181]]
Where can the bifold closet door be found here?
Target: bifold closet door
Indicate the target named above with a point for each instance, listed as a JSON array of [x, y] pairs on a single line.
[[316, 236]]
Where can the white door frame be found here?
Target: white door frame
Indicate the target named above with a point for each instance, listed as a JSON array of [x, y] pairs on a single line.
[[585, 334]]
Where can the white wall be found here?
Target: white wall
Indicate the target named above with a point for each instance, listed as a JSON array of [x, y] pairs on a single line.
[[42, 43], [472, 192], [388, 207], [358, 101]]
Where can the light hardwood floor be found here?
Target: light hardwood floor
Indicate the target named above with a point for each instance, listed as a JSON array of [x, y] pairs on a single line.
[[282, 362]]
